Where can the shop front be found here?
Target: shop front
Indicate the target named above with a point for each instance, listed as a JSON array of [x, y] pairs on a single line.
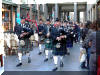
[[8, 17]]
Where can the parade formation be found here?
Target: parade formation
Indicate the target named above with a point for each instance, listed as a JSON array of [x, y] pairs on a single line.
[[50, 36], [54, 40], [58, 39]]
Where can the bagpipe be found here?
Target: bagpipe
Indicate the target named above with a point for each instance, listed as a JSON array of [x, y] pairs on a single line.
[[62, 37], [26, 33]]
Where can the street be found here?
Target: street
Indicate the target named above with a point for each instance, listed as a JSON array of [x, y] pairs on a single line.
[[71, 62]]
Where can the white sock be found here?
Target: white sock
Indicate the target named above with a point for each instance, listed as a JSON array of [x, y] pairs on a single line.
[[46, 53], [61, 58], [20, 57], [55, 60], [28, 54], [68, 50], [50, 53], [40, 47]]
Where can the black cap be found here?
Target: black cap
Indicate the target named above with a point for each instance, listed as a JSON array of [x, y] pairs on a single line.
[[22, 17], [48, 19], [57, 19], [40, 20]]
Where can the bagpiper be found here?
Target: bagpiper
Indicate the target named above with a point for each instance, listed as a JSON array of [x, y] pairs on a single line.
[[70, 36], [24, 42], [59, 44], [66, 29], [41, 35], [48, 40]]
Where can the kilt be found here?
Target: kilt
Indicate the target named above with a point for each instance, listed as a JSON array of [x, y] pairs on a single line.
[[48, 46], [69, 44], [26, 47], [41, 39], [60, 51]]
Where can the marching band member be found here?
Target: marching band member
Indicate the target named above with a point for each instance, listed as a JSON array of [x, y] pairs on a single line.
[[24, 42], [48, 40], [66, 28], [70, 37], [41, 35], [59, 44]]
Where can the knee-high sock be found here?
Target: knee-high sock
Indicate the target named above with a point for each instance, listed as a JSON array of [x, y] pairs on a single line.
[[61, 58], [55, 60], [46, 53], [50, 53], [28, 54], [20, 57], [68, 50], [40, 47]]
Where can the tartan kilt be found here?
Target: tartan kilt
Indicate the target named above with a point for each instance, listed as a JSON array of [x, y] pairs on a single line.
[[27, 47], [48, 46], [41, 39], [59, 51], [69, 44]]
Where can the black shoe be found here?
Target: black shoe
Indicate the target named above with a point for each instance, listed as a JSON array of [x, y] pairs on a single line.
[[55, 69], [18, 65], [29, 60], [51, 57], [39, 53], [46, 60], [68, 53], [61, 64]]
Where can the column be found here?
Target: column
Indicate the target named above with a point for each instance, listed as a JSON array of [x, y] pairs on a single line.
[[53, 17], [78, 16], [59, 12], [90, 15], [68, 16], [56, 11], [95, 12], [18, 8], [64, 15], [38, 12], [87, 12], [75, 12], [31, 14], [12, 18], [84, 16], [45, 11]]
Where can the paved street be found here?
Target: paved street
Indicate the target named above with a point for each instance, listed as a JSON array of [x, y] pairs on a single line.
[[71, 63]]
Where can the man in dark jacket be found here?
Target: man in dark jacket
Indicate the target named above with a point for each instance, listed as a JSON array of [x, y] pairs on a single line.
[[48, 40], [24, 42], [59, 43], [41, 34]]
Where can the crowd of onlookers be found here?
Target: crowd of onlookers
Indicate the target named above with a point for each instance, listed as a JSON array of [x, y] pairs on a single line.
[[90, 34]]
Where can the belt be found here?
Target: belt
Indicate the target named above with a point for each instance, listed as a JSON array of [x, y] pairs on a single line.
[[93, 52]]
